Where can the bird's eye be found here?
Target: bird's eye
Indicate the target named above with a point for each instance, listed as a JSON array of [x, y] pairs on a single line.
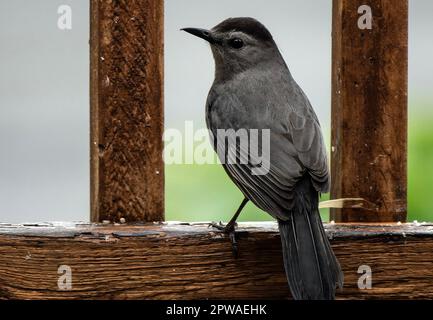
[[236, 43]]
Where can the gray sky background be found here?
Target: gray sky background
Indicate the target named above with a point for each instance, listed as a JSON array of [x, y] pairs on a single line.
[[44, 109]]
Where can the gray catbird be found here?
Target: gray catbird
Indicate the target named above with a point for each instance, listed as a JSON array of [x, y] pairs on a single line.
[[253, 89]]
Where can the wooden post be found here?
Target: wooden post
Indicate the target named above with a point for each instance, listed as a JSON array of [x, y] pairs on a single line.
[[127, 173], [369, 108]]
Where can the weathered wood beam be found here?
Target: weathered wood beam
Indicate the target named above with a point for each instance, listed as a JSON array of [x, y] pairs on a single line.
[[369, 108], [182, 261], [127, 171]]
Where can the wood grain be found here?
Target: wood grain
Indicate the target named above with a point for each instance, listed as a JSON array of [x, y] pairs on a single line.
[[369, 110], [182, 261], [127, 172]]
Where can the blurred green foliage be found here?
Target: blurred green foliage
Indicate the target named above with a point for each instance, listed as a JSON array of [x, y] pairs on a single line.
[[205, 193], [420, 166]]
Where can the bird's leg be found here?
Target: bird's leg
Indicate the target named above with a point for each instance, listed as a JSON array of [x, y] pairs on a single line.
[[230, 228]]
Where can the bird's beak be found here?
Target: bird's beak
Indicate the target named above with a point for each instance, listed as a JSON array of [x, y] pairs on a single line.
[[201, 33]]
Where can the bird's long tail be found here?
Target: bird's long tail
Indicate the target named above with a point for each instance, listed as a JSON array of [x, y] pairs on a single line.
[[312, 269]]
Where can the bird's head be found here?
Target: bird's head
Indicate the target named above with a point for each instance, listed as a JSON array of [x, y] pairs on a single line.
[[238, 44]]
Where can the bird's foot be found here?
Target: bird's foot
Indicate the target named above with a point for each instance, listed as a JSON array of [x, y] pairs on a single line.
[[230, 230]]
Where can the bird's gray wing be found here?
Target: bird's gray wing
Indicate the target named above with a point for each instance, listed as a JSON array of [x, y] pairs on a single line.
[[296, 144], [307, 139]]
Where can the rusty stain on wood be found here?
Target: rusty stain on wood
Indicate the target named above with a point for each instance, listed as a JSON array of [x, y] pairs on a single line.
[[369, 110], [191, 261], [127, 172]]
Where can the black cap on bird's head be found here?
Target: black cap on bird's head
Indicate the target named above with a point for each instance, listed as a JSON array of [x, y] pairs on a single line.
[[249, 26], [238, 43]]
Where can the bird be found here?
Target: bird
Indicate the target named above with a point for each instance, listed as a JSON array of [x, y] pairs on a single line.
[[253, 89]]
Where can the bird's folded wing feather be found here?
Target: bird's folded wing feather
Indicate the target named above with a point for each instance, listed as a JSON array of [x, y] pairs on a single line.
[[297, 148]]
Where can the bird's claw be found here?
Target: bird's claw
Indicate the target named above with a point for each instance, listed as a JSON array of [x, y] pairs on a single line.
[[230, 230], [217, 225], [235, 248]]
